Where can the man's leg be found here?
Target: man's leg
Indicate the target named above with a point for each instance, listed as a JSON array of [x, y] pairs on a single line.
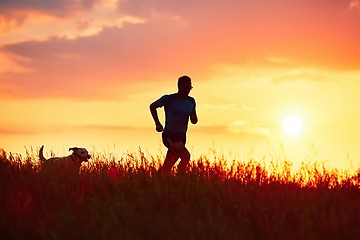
[[170, 160], [185, 159]]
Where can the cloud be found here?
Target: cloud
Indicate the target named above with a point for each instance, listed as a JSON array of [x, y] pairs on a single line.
[[53, 7], [278, 60], [16, 131], [15, 14], [354, 4], [96, 58], [108, 128], [62, 129], [112, 58], [304, 75], [228, 106], [238, 127], [246, 128], [22, 25], [210, 129]]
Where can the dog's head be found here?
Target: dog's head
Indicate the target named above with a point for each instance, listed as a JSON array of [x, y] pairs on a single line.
[[81, 153]]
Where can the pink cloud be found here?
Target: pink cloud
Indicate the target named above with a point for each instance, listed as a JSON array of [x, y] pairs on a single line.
[[89, 65], [15, 13], [210, 32]]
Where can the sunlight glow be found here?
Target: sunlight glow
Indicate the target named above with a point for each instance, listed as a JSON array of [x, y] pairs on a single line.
[[292, 125]]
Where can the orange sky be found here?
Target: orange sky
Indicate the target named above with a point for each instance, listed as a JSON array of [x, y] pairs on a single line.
[[83, 72]]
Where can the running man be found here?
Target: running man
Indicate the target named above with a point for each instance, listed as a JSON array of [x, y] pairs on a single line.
[[179, 107]]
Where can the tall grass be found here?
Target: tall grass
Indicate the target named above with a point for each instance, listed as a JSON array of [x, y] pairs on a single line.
[[124, 198]]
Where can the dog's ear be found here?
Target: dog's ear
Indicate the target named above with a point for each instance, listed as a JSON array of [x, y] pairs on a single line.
[[73, 149]]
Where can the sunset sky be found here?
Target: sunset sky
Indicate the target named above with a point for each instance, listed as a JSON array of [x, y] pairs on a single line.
[[83, 73]]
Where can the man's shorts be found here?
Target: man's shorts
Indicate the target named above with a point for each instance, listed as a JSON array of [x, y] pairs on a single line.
[[169, 137]]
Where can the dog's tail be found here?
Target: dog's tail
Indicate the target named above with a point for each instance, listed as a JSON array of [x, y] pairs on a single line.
[[41, 155]]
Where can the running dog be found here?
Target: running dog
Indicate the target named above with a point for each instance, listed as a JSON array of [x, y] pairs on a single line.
[[71, 162]]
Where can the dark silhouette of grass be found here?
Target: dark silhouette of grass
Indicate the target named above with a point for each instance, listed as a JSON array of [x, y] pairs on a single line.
[[125, 198]]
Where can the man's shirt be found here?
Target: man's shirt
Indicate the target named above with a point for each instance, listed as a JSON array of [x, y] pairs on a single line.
[[177, 112]]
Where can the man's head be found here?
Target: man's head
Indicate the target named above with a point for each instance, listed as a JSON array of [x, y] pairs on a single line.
[[184, 84]]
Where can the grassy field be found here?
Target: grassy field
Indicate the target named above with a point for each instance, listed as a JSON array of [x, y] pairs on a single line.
[[124, 198]]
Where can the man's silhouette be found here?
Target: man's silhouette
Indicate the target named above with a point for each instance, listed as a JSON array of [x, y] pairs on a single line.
[[179, 107]]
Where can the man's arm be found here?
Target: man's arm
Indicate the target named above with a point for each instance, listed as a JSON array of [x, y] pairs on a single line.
[[155, 116], [193, 117]]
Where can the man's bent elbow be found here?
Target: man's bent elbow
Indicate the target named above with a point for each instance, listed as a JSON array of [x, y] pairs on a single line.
[[152, 107]]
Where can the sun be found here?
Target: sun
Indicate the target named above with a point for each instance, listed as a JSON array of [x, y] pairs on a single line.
[[292, 125]]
